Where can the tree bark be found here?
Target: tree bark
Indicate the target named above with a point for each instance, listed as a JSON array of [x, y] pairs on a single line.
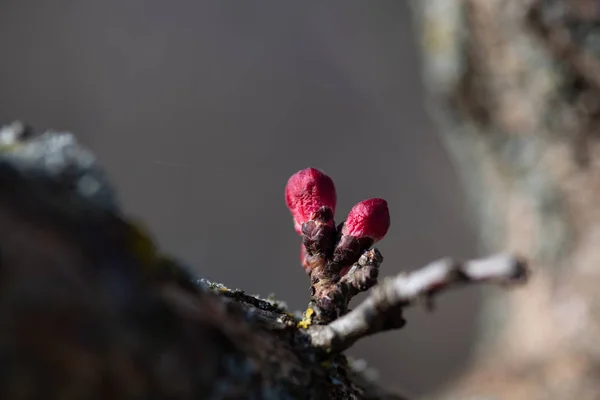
[[514, 86]]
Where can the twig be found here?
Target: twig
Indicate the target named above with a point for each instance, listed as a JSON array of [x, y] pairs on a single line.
[[382, 310]]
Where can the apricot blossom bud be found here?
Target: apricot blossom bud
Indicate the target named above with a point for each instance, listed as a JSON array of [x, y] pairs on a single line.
[[368, 219], [367, 223], [307, 192]]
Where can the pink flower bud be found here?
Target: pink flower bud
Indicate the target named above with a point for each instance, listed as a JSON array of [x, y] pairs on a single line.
[[368, 219], [306, 192]]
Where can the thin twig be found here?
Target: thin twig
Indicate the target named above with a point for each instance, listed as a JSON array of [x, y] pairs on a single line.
[[382, 310]]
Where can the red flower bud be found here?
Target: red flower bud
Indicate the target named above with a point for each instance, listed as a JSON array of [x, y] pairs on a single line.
[[306, 192], [368, 219]]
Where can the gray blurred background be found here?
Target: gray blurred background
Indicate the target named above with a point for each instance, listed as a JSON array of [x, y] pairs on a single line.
[[201, 110]]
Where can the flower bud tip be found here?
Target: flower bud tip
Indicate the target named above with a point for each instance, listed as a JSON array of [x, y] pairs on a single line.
[[306, 192], [369, 218]]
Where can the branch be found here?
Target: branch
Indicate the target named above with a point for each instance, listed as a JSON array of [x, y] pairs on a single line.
[[382, 310]]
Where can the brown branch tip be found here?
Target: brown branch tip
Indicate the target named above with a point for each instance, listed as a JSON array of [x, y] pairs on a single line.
[[341, 263]]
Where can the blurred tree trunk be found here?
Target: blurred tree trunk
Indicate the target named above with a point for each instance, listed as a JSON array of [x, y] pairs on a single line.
[[515, 88]]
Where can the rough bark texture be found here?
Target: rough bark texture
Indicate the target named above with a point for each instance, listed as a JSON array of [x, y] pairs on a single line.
[[515, 87]]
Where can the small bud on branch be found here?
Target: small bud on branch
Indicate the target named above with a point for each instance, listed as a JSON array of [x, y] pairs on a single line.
[[341, 264], [367, 223], [306, 193], [368, 219], [329, 252]]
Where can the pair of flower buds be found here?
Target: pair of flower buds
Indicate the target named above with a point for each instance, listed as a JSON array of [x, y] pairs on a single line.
[[311, 198]]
